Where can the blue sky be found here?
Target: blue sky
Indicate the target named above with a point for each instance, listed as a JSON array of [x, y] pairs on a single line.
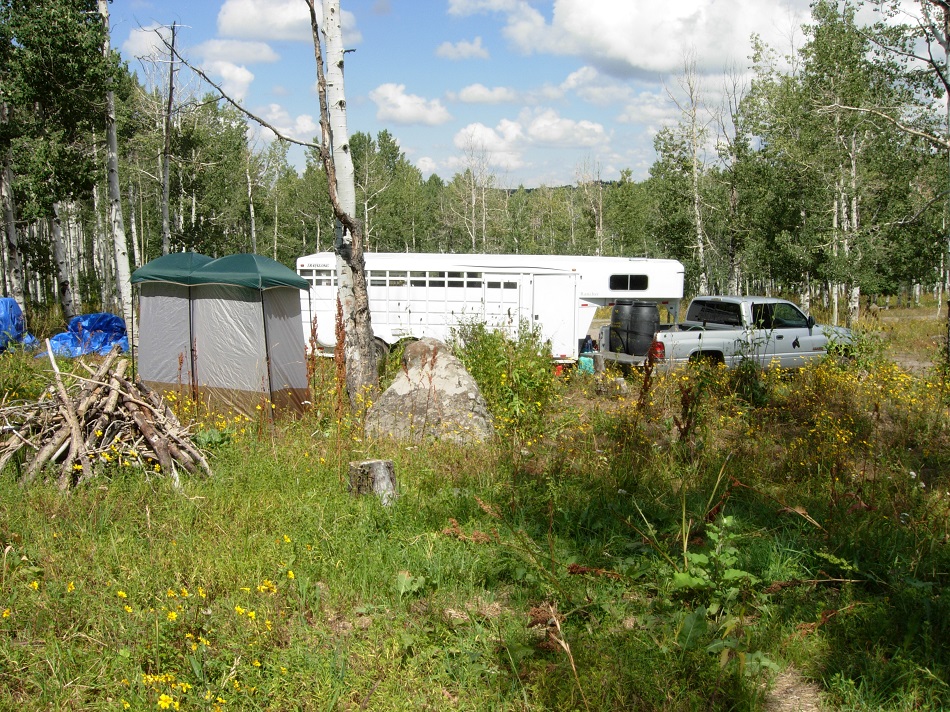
[[537, 92]]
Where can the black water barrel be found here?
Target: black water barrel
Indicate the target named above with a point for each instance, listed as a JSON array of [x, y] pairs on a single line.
[[632, 326]]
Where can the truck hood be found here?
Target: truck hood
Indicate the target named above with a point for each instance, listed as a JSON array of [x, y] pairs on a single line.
[[838, 334]]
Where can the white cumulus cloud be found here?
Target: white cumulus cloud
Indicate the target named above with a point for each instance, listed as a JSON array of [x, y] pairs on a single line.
[[549, 128], [502, 146], [394, 104], [427, 165], [628, 37], [301, 128], [147, 41], [234, 79], [277, 20], [650, 108], [236, 51], [480, 94], [462, 50]]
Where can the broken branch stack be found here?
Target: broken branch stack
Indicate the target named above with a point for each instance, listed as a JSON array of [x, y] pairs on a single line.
[[82, 427]]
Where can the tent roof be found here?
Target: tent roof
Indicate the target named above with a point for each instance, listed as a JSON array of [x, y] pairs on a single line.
[[242, 270], [248, 270], [174, 267]]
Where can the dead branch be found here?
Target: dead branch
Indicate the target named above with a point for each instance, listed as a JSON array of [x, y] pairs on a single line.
[[93, 421]]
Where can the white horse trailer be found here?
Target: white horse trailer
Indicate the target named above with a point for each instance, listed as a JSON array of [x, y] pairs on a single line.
[[414, 295]]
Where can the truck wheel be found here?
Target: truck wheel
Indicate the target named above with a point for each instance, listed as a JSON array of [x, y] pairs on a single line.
[[713, 358]]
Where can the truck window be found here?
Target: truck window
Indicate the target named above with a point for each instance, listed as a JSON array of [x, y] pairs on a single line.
[[787, 316], [725, 313], [762, 316]]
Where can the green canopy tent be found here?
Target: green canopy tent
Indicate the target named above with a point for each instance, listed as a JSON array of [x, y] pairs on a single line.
[[165, 354], [236, 321]]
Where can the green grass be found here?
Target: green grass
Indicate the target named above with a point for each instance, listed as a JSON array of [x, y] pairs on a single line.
[[621, 556]]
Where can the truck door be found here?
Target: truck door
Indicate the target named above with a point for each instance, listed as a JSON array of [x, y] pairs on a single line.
[[786, 335], [794, 341], [762, 343]]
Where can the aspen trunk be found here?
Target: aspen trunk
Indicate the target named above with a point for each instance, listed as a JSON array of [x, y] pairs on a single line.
[[250, 202], [123, 276], [166, 152], [14, 261], [67, 298], [359, 347]]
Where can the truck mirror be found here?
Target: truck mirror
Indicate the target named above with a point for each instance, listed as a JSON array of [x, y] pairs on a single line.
[[811, 321]]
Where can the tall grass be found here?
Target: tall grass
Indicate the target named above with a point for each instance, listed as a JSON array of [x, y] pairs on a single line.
[[668, 547]]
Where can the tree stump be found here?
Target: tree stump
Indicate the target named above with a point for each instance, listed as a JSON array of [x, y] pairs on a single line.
[[376, 476]]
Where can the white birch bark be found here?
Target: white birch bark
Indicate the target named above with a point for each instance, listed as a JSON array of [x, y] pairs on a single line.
[[64, 284], [166, 152], [695, 138], [13, 261], [250, 202], [133, 228], [74, 249], [359, 346], [120, 246]]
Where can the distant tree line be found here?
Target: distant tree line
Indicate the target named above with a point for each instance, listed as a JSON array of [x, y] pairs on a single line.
[[826, 176]]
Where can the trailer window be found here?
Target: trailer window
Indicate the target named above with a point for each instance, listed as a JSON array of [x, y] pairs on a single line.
[[322, 278], [629, 282]]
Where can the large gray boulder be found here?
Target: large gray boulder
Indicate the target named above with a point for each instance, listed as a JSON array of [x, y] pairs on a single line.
[[432, 397]]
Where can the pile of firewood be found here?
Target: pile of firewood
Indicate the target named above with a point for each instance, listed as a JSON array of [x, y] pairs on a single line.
[[82, 424]]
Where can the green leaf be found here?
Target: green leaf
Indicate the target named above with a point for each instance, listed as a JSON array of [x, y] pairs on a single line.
[[693, 629], [684, 579]]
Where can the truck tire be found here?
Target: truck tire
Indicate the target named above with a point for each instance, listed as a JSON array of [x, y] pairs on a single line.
[[713, 358]]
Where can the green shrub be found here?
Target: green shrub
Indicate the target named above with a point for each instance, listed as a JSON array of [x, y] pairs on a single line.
[[515, 374]]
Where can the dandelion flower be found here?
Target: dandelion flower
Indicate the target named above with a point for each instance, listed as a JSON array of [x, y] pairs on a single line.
[[290, 574]]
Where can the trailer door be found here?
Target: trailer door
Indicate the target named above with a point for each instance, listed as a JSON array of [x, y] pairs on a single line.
[[555, 311]]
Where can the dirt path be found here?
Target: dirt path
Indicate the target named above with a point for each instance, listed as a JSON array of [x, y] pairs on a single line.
[[792, 693]]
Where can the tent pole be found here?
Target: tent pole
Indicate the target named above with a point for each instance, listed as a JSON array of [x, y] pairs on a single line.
[[192, 356], [131, 335], [270, 378]]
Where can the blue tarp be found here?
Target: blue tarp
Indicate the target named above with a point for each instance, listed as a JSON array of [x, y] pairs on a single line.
[[91, 334], [12, 324]]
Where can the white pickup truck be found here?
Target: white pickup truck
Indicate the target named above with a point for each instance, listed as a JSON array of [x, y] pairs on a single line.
[[731, 329]]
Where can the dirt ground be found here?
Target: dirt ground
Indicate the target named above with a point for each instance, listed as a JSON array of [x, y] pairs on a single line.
[[792, 693]]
